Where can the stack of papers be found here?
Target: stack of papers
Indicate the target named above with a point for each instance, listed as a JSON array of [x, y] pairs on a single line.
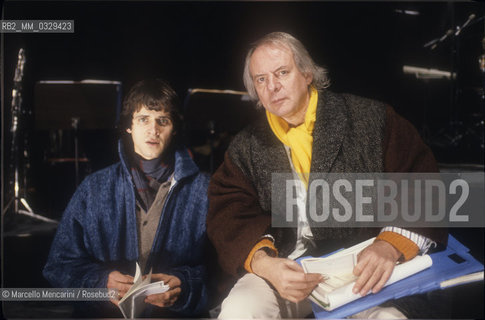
[[133, 302], [337, 269]]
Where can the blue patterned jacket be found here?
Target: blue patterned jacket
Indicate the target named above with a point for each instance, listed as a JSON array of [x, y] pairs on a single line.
[[97, 233]]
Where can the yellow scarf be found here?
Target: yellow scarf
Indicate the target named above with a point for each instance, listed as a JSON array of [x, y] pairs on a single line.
[[298, 139]]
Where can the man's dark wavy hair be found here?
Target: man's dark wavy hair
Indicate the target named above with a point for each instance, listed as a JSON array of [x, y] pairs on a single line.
[[154, 94]]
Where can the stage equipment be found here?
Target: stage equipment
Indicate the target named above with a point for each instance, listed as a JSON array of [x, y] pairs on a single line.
[[481, 64], [213, 117], [457, 133], [424, 73], [434, 43], [19, 153], [69, 105], [75, 134]]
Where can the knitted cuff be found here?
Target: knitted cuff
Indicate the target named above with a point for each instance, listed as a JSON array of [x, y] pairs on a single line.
[[406, 246], [264, 243]]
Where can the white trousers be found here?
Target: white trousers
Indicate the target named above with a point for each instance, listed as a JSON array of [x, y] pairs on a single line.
[[252, 297]]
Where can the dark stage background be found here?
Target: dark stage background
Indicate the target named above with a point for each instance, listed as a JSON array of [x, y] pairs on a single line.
[[364, 45]]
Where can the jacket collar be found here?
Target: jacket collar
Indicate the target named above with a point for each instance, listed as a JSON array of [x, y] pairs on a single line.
[[184, 165]]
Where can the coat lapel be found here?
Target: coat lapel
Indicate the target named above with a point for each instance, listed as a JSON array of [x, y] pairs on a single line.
[[329, 131]]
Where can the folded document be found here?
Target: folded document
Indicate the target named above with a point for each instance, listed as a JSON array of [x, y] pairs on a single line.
[[337, 270], [438, 270], [133, 302]]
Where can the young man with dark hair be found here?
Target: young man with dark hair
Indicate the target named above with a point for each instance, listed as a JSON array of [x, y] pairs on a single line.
[[148, 208]]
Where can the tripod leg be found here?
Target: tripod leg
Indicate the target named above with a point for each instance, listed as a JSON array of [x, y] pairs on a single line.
[[29, 212]]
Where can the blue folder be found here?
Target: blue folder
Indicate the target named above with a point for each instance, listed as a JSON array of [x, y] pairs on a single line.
[[453, 262]]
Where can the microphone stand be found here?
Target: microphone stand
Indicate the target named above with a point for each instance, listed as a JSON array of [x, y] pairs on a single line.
[[459, 134], [481, 62], [75, 126], [17, 113]]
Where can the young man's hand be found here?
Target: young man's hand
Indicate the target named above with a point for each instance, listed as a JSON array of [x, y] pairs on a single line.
[[374, 267], [169, 297], [120, 282], [286, 276]]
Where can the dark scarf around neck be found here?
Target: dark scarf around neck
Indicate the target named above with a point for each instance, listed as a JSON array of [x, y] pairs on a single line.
[[149, 174]]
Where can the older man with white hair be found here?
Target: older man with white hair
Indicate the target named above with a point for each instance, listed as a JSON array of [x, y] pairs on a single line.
[[306, 129]]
